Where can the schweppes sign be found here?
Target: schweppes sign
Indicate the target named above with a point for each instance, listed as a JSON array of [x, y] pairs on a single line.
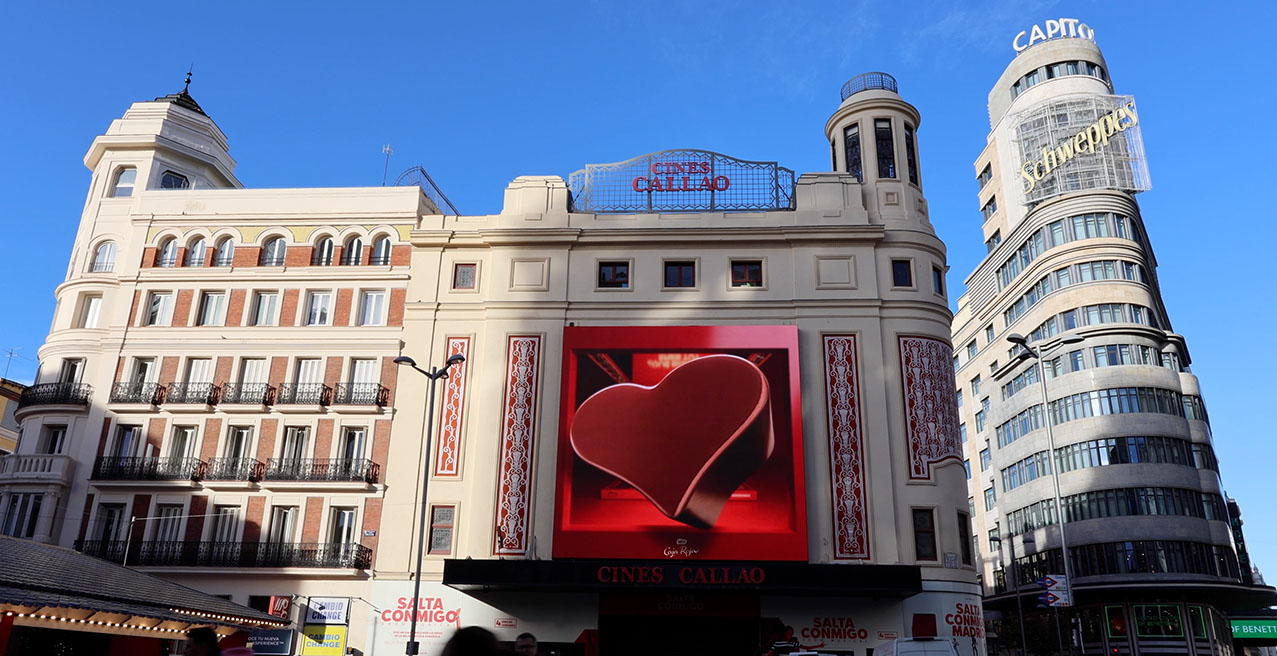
[[1088, 140]]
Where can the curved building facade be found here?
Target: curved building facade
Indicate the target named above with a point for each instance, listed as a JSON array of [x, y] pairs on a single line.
[[1071, 269]]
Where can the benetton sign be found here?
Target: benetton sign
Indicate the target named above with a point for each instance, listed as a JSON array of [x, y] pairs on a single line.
[[685, 180]]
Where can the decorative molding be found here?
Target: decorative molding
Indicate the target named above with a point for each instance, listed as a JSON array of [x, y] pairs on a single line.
[[452, 410], [931, 408], [846, 449], [518, 424]]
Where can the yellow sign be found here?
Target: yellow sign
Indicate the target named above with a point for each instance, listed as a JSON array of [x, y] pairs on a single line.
[[323, 640], [1086, 141]]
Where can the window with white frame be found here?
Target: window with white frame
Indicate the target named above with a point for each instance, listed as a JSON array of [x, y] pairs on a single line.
[[52, 440], [22, 514], [167, 525], [372, 308], [171, 180], [122, 187], [283, 524], [323, 255], [110, 522], [103, 258], [381, 251], [464, 275], [318, 308], [159, 309], [166, 255], [342, 529], [195, 253], [353, 252], [239, 439], [211, 309], [182, 444], [127, 438], [352, 443], [273, 252], [225, 524], [90, 308], [224, 253], [265, 305], [442, 524]]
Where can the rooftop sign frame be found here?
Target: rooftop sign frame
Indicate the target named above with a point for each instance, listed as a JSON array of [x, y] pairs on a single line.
[[682, 180]]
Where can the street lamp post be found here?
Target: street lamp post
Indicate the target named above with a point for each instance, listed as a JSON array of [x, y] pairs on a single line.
[[1015, 581], [434, 375]]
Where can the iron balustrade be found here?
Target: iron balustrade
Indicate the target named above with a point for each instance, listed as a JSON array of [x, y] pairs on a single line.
[[303, 394], [133, 468], [56, 393], [268, 260], [380, 260], [360, 394], [322, 469], [234, 469], [223, 261], [197, 393], [190, 553], [869, 81], [137, 392], [250, 393], [104, 266], [166, 262]]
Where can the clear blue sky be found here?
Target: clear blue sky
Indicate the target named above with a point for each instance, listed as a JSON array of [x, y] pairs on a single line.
[[307, 93]]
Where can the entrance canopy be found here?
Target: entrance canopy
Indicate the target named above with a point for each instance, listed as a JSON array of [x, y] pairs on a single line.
[[52, 587]]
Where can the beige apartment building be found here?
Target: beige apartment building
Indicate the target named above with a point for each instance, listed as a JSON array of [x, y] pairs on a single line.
[[702, 398], [1070, 267]]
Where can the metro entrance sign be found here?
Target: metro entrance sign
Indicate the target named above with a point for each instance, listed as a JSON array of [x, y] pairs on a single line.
[[1057, 590], [682, 181]]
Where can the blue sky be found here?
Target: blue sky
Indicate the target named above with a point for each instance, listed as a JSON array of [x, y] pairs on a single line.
[[307, 94]]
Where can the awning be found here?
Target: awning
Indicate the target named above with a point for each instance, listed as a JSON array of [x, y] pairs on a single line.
[[52, 587]]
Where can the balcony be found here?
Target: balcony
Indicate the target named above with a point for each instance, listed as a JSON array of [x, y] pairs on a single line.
[[147, 469], [308, 395], [326, 469], [252, 394], [234, 469], [137, 392], [32, 468], [372, 394], [197, 394], [232, 554], [56, 394]]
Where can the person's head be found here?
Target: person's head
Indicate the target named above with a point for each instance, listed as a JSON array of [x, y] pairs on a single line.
[[471, 641], [525, 645], [201, 642]]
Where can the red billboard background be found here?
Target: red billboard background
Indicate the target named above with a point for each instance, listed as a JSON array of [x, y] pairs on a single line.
[[648, 439]]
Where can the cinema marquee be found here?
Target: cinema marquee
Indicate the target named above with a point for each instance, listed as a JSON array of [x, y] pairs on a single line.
[[682, 181]]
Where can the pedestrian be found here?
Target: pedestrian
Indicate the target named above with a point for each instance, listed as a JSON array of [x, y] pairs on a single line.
[[471, 641], [201, 642], [525, 645]]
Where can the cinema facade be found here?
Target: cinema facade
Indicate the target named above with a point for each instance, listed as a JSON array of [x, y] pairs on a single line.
[[705, 403]]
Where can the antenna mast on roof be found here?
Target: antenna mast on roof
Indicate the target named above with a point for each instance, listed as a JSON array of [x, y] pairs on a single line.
[[385, 149]]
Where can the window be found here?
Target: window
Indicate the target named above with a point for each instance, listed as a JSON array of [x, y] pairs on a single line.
[[124, 181], [464, 275], [90, 308], [372, 308], [273, 252], [225, 524], [195, 253], [171, 180], [283, 524], [985, 176], [993, 241], [442, 523], [981, 417], [680, 274], [103, 258], [317, 306], [990, 499], [964, 531], [53, 441], [352, 443], [224, 254], [975, 387], [295, 443], [966, 466], [238, 441], [614, 275], [22, 514], [989, 334], [323, 255], [210, 311], [924, 534], [167, 525], [126, 441], [937, 280], [902, 273], [353, 253], [110, 522], [984, 459], [182, 445], [972, 350], [959, 395], [911, 154], [962, 432], [851, 141], [885, 143], [990, 208], [264, 305], [747, 273], [381, 252], [72, 370], [343, 529], [166, 256]]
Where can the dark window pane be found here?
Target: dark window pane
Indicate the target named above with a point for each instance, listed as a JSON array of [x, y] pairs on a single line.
[[614, 275], [924, 534], [901, 273], [886, 148], [851, 137], [680, 274], [911, 154], [747, 273]]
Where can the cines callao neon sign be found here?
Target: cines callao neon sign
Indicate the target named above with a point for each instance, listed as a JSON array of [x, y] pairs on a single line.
[[1087, 140]]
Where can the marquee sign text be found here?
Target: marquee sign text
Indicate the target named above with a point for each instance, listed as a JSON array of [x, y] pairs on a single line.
[[1087, 141], [681, 176], [1057, 28]]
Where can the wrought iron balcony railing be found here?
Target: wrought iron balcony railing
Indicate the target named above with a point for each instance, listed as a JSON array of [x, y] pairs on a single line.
[[325, 469], [234, 469], [271, 260], [231, 554], [137, 392], [360, 394], [197, 393], [102, 266], [248, 393], [56, 393], [303, 394], [379, 260], [147, 469], [868, 82]]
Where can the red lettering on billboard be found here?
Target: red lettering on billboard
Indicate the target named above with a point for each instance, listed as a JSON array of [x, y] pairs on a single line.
[[675, 180]]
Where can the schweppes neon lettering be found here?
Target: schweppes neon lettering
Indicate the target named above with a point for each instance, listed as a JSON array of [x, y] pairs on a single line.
[[1087, 140]]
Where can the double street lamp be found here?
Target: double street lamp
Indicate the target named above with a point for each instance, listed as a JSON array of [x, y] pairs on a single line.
[[434, 375]]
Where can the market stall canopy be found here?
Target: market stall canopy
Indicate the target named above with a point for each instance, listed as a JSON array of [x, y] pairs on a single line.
[[52, 587]]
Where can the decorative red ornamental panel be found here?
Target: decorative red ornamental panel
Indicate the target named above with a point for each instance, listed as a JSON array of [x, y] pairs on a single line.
[[518, 424], [846, 449], [448, 459], [931, 408]]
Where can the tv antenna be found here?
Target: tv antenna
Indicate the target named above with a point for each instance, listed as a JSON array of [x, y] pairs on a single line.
[[13, 351], [387, 150]]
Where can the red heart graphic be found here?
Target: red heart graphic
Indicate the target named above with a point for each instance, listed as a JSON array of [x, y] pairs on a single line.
[[687, 443]]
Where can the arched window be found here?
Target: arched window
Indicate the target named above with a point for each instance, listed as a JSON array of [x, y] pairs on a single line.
[[381, 251], [273, 252], [123, 184], [103, 258], [171, 180], [224, 254], [323, 252], [195, 253], [353, 253], [167, 255]]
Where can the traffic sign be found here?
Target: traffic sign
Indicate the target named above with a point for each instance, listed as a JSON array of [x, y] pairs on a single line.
[[1047, 582], [1058, 591]]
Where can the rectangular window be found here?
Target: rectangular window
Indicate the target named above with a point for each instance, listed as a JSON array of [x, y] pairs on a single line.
[[22, 514], [210, 310], [937, 280], [993, 241], [966, 466], [962, 432], [972, 350], [885, 143], [264, 306], [159, 309], [902, 273], [342, 529], [989, 334], [975, 387], [464, 275], [110, 522], [911, 154], [984, 459], [126, 440], [182, 445], [851, 139], [964, 530], [53, 441], [924, 534], [990, 208], [318, 305], [283, 524], [680, 274], [985, 176], [442, 524], [238, 441], [167, 525], [990, 498], [352, 443], [89, 311], [614, 275], [747, 273], [372, 308], [225, 525], [295, 443]]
